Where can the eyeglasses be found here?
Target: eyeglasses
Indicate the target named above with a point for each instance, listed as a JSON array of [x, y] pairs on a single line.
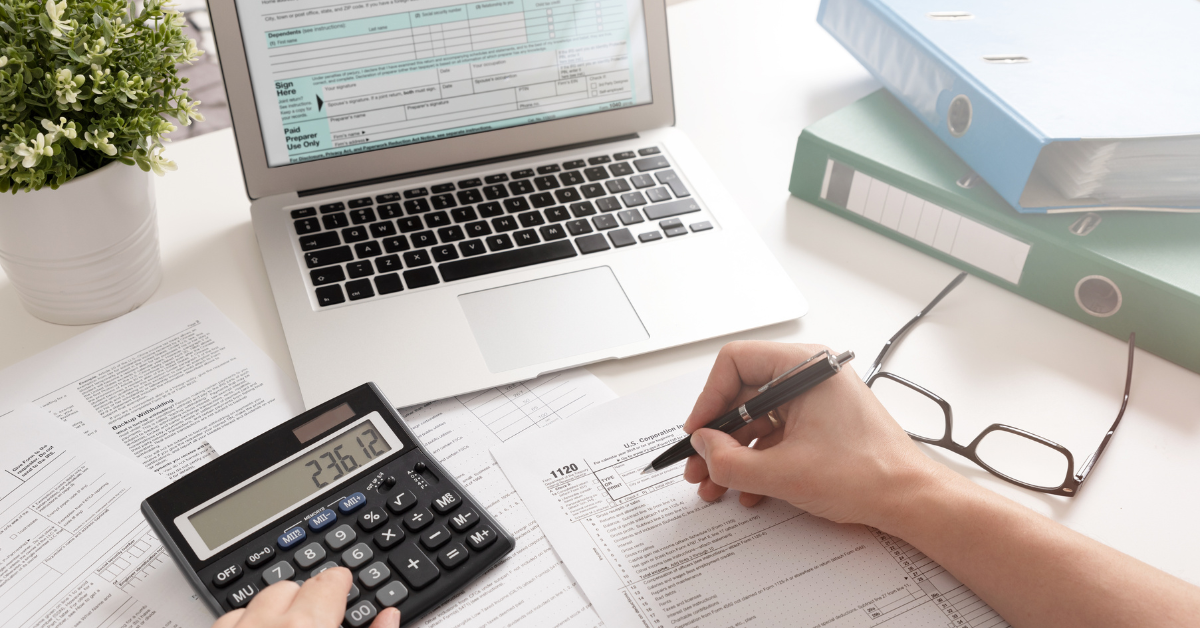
[[1012, 454]]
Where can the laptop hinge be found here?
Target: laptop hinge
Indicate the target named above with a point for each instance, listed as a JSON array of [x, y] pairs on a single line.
[[461, 166]]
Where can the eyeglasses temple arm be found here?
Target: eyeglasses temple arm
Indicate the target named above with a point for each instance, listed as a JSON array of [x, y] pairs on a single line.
[[887, 346], [1086, 468]]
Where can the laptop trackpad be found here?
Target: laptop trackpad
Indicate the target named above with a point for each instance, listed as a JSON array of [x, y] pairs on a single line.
[[550, 319]]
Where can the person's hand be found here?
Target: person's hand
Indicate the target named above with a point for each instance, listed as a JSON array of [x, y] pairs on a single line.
[[838, 453], [319, 603]]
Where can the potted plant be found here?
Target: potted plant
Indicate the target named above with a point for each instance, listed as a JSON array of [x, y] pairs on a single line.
[[85, 88]]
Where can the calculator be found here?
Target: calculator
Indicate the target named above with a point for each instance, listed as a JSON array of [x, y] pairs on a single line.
[[344, 484]]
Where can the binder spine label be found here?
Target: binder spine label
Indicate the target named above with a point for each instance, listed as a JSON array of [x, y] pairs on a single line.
[[949, 232]]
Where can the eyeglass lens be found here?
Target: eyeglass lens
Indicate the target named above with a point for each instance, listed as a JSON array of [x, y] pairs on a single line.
[[1023, 459], [916, 413]]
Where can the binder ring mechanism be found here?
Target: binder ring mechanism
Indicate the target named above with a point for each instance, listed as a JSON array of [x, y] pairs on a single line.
[[958, 116]]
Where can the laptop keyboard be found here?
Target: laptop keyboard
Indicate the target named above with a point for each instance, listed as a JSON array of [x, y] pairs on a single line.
[[418, 237]]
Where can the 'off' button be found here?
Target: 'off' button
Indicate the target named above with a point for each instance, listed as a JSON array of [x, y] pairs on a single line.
[[226, 576], [352, 503]]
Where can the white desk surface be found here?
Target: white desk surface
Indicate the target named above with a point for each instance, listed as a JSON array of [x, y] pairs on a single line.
[[748, 77]]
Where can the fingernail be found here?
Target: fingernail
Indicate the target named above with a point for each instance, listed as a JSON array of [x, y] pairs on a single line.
[[698, 444]]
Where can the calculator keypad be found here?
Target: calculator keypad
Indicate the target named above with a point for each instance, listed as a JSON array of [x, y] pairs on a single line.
[[418, 519], [357, 556], [242, 595], [360, 614], [401, 501], [389, 537], [435, 537], [341, 536], [310, 555], [323, 567], [372, 519], [399, 544], [281, 570], [414, 566], [374, 575], [392, 594], [226, 576]]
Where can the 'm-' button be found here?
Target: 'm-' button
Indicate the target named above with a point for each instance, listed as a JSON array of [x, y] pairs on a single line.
[[352, 503], [322, 520]]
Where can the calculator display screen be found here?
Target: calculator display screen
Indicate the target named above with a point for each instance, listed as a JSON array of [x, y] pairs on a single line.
[[293, 482]]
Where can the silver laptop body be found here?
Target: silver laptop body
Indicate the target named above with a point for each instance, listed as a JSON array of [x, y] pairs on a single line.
[[450, 197]]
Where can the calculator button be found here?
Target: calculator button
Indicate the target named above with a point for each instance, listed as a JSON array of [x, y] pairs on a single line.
[[402, 501], [446, 502], [418, 519], [243, 595], [357, 556], [352, 503], [322, 520], [436, 537], [324, 567], [360, 613], [392, 594], [226, 576], [372, 519], [261, 556], [281, 570], [453, 556], [463, 520], [291, 538], [481, 538], [389, 537], [374, 574], [341, 536], [414, 566], [309, 555], [353, 593]]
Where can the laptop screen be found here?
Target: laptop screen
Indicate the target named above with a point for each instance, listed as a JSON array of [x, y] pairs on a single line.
[[335, 77]]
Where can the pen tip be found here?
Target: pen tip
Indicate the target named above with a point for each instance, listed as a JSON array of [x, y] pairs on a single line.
[[649, 469]]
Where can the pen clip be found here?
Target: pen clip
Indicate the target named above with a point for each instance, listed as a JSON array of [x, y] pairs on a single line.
[[772, 383]]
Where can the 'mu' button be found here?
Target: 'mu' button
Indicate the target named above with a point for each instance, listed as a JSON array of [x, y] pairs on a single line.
[[352, 503]]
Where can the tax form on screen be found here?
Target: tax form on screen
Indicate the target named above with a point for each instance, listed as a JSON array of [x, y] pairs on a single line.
[[337, 77], [648, 552]]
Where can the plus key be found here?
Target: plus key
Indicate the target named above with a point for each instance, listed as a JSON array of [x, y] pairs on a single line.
[[414, 566]]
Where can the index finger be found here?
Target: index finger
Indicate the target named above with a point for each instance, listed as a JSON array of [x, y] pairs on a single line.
[[323, 598], [749, 363]]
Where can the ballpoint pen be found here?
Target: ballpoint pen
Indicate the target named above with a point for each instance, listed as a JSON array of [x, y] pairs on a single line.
[[791, 384]]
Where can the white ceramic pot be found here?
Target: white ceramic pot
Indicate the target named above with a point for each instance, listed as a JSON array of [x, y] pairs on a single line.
[[86, 252]]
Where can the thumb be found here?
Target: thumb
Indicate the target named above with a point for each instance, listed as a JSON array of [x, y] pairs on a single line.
[[732, 465]]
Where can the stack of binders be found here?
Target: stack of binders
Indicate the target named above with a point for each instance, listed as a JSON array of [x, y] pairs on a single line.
[[976, 157]]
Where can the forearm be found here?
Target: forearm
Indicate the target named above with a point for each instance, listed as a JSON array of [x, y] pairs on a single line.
[[1031, 570]]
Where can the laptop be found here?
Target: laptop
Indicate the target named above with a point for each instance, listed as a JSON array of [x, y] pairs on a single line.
[[450, 197]]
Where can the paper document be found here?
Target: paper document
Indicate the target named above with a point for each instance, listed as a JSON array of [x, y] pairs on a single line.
[[75, 550], [648, 552], [155, 384], [530, 587]]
